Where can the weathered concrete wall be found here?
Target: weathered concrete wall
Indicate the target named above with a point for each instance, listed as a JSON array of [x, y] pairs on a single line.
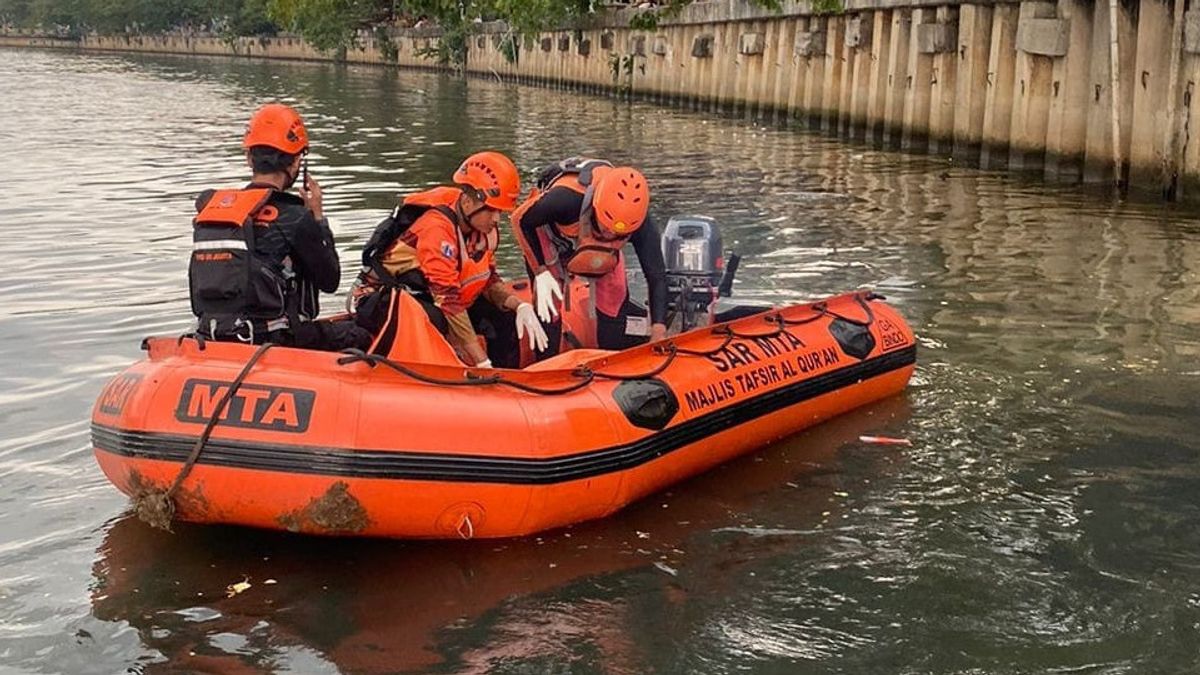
[[409, 46], [1020, 85], [18, 40]]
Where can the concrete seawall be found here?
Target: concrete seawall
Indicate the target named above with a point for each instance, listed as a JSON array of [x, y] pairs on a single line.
[[409, 46], [1026, 86]]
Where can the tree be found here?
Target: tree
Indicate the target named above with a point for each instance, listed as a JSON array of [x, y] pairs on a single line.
[[327, 25], [15, 12], [332, 25]]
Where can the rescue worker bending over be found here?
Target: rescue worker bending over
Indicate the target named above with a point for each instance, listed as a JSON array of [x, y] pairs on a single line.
[[439, 247], [261, 255], [577, 224]]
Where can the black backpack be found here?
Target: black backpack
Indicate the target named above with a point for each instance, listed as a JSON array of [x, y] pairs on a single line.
[[388, 231], [230, 285], [582, 166]]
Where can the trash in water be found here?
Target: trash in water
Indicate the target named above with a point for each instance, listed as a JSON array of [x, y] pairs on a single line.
[[233, 589], [884, 440], [667, 568]]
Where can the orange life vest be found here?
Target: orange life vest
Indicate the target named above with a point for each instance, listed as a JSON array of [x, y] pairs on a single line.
[[590, 257], [475, 260]]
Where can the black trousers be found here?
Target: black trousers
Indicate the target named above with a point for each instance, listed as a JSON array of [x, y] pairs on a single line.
[[499, 329], [326, 336], [320, 335]]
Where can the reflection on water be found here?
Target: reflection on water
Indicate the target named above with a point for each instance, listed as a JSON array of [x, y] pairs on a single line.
[[376, 606], [1046, 518]]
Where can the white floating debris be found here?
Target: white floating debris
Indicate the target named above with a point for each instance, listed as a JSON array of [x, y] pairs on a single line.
[[198, 614], [666, 568], [884, 440]]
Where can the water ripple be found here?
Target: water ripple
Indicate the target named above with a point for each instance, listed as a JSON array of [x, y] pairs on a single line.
[[1044, 519]]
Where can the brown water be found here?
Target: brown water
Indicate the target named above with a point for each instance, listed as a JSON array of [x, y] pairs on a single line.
[[1046, 518]]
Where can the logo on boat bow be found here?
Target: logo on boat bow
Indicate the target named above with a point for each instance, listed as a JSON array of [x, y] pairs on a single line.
[[252, 405]]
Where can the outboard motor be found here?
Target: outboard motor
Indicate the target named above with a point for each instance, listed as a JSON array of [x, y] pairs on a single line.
[[696, 270]]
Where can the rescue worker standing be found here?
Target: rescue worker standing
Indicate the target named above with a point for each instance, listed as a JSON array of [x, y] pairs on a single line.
[[439, 247], [261, 255], [577, 225]]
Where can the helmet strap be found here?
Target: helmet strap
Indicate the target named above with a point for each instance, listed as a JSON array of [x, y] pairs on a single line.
[[465, 218], [475, 242]]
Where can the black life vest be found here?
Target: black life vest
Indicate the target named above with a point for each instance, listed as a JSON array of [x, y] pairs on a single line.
[[236, 292]]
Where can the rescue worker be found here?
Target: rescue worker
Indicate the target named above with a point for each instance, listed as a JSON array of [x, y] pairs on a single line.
[[575, 223], [439, 247], [261, 255]]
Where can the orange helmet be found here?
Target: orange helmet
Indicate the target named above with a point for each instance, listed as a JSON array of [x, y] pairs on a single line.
[[277, 126], [494, 176], [620, 199]]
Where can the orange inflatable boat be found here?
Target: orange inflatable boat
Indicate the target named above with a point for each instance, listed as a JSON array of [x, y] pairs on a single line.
[[345, 444]]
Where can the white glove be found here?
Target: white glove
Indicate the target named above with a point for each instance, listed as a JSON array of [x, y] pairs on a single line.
[[486, 363], [528, 323], [545, 290]]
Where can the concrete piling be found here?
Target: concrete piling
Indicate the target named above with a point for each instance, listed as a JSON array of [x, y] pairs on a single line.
[[974, 40], [1067, 127], [877, 84], [897, 78], [918, 82]]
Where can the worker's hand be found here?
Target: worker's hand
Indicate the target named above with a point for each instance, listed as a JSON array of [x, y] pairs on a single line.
[[658, 331], [545, 290], [528, 323], [310, 192], [486, 363]]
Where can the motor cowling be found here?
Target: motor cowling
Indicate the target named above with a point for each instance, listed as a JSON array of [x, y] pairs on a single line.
[[696, 271], [692, 247]]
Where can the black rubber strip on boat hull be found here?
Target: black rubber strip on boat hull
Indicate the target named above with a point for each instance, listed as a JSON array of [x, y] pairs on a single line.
[[402, 465]]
